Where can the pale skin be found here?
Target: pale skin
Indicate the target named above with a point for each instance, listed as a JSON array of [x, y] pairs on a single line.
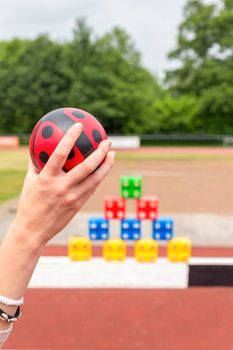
[[48, 201]]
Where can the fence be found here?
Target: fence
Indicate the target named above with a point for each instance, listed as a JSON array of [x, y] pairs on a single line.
[[176, 140], [130, 141], [187, 139]]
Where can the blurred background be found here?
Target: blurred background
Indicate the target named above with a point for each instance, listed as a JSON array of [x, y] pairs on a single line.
[[158, 71], [141, 68]]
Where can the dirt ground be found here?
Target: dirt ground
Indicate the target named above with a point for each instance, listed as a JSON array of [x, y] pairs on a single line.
[[195, 186], [201, 181], [196, 193]]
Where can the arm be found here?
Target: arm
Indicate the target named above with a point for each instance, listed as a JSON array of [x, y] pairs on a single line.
[[48, 202]]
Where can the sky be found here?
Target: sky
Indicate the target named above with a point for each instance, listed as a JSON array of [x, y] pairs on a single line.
[[151, 23]]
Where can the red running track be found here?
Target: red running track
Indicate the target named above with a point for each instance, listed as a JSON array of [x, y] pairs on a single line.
[[196, 251], [96, 319]]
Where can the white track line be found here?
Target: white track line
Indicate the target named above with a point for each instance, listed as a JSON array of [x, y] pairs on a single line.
[[211, 261], [60, 272]]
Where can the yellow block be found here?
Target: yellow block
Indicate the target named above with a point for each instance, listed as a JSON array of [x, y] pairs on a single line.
[[79, 248], [146, 250], [179, 249], [114, 249]]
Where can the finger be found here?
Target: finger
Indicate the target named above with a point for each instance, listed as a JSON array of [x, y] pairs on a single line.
[[93, 180], [84, 169], [61, 153], [31, 168], [32, 172]]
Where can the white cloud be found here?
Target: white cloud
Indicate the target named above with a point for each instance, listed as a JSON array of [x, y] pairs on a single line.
[[151, 23]]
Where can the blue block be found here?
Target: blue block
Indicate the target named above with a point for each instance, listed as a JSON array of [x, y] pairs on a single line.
[[162, 229], [130, 229], [98, 229]]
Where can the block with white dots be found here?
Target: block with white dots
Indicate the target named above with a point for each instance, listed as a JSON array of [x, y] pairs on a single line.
[[130, 229], [98, 229], [147, 208], [131, 186], [162, 229], [114, 207]]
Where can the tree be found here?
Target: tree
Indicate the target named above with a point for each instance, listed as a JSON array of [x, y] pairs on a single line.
[[205, 53], [32, 82], [175, 115], [112, 84], [103, 75]]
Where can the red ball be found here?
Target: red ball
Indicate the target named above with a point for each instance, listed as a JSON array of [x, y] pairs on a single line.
[[51, 128]]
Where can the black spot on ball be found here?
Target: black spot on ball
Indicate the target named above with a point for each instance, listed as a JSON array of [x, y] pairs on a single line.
[[47, 132], [71, 154], [63, 122], [78, 114], [44, 157], [84, 145], [96, 136]]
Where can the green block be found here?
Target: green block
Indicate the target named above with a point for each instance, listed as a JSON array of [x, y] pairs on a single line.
[[131, 186]]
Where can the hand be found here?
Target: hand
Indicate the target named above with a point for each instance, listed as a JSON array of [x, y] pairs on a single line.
[[51, 198]]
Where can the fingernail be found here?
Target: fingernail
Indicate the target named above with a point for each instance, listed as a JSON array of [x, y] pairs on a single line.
[[112, 154], [106, 142], [109, 142], [78, 125]]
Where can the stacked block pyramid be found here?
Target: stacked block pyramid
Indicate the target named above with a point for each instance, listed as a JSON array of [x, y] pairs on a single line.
[[146, 208]]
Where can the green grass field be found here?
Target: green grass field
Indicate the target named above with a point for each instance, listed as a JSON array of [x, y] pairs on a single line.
[[13, 164]]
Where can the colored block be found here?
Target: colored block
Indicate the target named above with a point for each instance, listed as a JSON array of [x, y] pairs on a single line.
[[146, 250], [114, 207], [98, 229], [179, 249], [131, 186], [114, 250], [79, 248], [130, 229], [162, 229], [147, 207]]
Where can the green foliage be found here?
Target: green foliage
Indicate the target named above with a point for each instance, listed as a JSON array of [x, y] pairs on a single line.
[[205, 53], [102, 75], [105, 76], [217, 99], [32, 82], [112, 84], [175, 115]]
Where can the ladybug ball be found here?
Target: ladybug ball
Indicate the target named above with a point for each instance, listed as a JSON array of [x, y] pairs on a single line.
[[51, 128]]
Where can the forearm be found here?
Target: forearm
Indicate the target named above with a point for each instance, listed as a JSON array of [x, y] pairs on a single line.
[[19, 254], [48, 202]]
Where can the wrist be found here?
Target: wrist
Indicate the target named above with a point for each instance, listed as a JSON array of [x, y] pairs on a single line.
[[31, 239], [19, 254]]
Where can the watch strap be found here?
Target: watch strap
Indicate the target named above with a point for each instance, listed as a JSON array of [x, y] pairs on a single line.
[[8, 318]]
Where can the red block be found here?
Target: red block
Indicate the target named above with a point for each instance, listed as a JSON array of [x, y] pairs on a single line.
[[114, 207], [147, 207]]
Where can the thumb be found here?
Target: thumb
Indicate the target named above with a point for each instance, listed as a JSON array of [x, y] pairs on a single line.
[[31, 168]]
